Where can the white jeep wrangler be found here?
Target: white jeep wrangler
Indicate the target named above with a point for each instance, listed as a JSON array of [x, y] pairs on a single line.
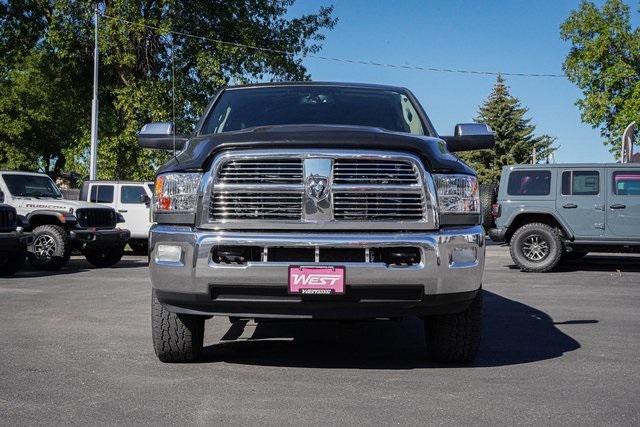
[[59, 225]]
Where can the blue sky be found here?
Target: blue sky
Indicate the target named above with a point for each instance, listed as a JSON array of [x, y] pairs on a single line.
[[506, 36]]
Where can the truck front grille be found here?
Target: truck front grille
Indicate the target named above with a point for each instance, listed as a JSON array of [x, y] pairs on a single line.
[[99, 218], [8, 218], [228, 205], [318, 189]]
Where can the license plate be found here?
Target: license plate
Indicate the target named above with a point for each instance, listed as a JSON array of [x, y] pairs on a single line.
[[316, 280]]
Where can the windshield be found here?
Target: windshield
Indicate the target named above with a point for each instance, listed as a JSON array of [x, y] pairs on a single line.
[[31, 186], [239, 109]]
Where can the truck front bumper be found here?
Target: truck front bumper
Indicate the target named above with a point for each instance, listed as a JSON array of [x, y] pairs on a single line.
[[98, 237], [445, 280], [14, 240]]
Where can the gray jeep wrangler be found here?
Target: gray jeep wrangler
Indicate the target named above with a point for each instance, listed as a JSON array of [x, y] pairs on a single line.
[[548, 213]]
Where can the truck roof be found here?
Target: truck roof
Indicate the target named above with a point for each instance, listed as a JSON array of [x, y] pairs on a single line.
[[24, 173], [575, 165], [334, 84]]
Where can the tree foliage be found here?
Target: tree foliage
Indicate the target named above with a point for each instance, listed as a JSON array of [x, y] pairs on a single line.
[[46, 72], [515, 135], [604, 62]]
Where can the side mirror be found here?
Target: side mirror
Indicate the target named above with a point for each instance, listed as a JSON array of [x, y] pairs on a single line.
[[160, 136], [146, 199], [470, 136]]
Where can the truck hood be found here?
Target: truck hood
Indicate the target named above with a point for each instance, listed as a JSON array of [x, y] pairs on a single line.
[[200, 150], [61, 205]]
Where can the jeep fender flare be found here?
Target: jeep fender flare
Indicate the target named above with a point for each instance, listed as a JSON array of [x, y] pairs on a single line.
[[64, 218], [518, 213]]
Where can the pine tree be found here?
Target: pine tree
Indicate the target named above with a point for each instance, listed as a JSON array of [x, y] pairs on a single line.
[[515, 137]]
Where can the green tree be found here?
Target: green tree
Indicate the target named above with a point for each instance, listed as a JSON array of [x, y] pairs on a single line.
[[46, 60], [604, 62], [515, 137]]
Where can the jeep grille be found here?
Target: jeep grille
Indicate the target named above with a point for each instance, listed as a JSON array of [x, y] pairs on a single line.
[[99, 218], [8, 218]]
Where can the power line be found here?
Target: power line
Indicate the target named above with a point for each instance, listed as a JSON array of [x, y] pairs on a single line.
[[334, 59]]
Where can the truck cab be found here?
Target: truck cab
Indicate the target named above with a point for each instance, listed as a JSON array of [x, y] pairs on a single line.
[[548, 213]]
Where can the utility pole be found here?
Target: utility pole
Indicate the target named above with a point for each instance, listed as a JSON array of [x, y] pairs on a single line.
[[93, 163]]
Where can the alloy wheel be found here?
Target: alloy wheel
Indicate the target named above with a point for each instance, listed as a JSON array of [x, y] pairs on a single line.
[[535, 248], [44, 247]]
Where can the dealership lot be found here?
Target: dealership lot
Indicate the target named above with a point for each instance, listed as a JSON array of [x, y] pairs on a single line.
[[558, 348]]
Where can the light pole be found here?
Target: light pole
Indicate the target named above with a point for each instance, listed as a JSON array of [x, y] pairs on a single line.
[[94, 104]]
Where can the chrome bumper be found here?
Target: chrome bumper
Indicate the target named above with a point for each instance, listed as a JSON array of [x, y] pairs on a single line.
[[439, 272]]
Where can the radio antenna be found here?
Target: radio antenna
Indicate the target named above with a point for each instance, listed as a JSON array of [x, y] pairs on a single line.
[[173, 97]]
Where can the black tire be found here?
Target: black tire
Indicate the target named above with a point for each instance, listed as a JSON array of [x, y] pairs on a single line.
[[177, 338], [12, 262], [51, 249], [536, 247], [104, 256], [455, 338], [139, 247], [487, 199]]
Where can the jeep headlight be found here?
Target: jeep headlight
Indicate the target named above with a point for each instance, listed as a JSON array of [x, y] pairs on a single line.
[[457, 194], [177, 192]]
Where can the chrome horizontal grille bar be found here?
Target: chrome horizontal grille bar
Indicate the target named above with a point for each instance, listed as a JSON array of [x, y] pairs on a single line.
[[378, 206], [241, 206], [267, 171], [318, 189], [362, 171]]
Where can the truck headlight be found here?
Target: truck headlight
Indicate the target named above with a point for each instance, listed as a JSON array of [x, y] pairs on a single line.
[[177, 192], [457, 194]]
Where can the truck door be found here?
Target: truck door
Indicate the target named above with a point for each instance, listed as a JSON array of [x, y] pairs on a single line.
[[581, 201], [132, 204], [623, 204]]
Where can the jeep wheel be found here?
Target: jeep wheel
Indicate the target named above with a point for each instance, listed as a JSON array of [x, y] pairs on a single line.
[[536, 247], [11, 262], [455, 338], [176, 337], [104, 256], [50, 249]]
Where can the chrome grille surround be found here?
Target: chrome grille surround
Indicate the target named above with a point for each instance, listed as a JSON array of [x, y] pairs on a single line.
[[403, 199]]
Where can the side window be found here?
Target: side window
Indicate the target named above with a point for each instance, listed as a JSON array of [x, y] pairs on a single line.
[[529, 183], [626, 183], [132, 194], [580, 183], [101, 194]]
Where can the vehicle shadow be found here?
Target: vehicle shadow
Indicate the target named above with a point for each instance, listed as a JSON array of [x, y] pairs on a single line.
[[629, 263], [77, 264], [514, 333]]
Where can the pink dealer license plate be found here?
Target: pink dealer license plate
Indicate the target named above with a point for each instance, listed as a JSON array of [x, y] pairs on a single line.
[[316, 280]]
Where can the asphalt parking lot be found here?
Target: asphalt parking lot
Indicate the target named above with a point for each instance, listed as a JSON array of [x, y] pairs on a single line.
[[558, 348]]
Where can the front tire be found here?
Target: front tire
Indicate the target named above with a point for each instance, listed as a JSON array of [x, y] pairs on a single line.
[[536, 248], [50, 250], [176, 337], [104, 257], [455, 338], [12, 262]]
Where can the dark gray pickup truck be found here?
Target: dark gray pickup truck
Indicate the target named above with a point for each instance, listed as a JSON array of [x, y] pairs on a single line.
[[13, 240], [316, 201]]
